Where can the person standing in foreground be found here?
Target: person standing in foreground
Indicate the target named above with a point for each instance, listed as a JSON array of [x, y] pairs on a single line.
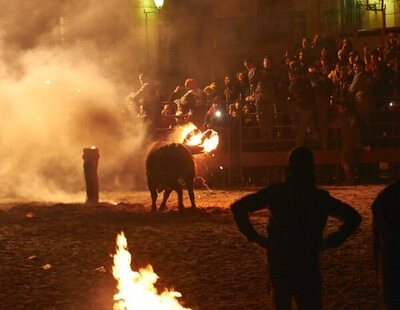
[[386, 236], [298, 215]]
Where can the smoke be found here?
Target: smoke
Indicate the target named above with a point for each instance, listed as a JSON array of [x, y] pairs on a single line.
[[62, 93]]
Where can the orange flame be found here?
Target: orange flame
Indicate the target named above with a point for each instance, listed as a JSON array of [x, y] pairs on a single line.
[[192, 136], [136, 288], [210, 140], [30, 214]]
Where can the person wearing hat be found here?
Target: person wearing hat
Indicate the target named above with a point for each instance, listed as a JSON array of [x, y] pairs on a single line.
[[298, 213]]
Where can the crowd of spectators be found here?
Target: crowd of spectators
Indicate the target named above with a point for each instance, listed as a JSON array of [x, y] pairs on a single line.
[[309, 80], [314, 79]]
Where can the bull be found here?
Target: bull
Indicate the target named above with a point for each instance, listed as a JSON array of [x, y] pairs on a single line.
[[168, 168]]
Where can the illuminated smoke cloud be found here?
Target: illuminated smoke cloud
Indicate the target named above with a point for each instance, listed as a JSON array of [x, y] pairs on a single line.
[[57, 98]]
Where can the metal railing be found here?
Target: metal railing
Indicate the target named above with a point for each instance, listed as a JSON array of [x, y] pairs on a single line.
[[242, 148]]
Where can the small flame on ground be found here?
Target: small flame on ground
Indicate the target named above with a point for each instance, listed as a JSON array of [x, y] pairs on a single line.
[[30, 214], [136, 288]]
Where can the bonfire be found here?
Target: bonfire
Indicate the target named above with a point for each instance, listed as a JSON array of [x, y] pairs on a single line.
[[136, 288]]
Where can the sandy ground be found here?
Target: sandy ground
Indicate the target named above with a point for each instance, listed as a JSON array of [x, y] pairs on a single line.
[[199, 253]]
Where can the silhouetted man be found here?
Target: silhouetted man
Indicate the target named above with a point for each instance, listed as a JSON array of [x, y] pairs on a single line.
[[298, 215], [386, 233]]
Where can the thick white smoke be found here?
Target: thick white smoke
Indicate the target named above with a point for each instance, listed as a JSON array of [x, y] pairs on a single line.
[[56, 99]]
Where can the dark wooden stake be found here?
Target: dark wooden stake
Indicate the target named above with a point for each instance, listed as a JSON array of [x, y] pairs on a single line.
[[90, 163]]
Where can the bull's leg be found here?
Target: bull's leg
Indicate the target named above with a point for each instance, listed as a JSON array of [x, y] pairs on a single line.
[[163, 206], [153, 193], [189, 184], [179, 191]]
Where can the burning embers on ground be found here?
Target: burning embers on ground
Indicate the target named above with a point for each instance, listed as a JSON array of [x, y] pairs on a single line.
[[136, 288]]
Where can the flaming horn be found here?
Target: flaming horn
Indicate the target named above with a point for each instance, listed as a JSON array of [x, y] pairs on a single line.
[[199, 142]]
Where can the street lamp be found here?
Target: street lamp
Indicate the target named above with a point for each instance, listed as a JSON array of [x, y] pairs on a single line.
[[158, 6], [159, 3]]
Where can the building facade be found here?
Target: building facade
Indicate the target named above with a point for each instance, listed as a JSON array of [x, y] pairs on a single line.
[[208, 38]]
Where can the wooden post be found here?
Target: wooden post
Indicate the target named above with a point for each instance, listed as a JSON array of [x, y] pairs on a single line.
[[383, 32], [90, 162]]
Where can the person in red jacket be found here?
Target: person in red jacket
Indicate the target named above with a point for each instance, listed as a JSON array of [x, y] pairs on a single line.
[[298, 215]]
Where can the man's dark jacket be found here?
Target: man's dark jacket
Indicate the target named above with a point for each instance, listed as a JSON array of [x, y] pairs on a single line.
[[298, 215]]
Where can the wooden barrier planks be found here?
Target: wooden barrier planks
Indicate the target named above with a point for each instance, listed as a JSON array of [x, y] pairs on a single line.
[[322, 157]]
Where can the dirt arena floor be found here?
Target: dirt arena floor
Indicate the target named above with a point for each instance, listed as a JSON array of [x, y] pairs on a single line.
[[58, 256]]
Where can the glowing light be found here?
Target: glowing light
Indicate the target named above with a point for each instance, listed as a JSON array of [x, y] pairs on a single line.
[[79, 90], [220, 167], [93, 147], [136, 288], [218, 113], [47, 82], [159, 3]]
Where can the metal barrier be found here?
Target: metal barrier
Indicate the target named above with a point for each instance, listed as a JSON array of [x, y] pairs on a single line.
[[241, 147]]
